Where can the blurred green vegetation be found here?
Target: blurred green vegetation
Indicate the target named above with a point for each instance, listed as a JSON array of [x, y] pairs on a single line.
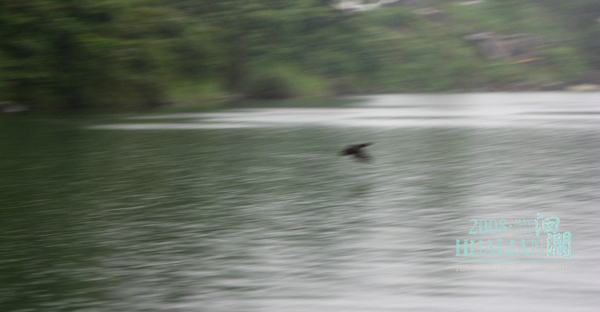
[[102, 53]]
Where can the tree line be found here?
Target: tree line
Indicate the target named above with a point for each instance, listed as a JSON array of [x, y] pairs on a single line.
[[94, 53]]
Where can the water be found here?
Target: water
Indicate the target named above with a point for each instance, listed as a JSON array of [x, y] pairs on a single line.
[[252, 209]]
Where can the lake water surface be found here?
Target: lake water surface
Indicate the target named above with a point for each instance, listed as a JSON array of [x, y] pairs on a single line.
[[251, 209]]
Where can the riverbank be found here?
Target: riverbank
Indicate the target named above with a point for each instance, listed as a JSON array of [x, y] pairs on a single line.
[[68, 56], [239, 101]]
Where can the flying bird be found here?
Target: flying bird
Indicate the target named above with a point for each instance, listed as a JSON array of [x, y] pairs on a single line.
[[356, 151]]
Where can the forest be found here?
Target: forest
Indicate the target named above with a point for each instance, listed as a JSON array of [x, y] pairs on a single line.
[[66, 54]]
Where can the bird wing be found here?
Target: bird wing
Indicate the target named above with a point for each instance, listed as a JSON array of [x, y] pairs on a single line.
[[363, 157]]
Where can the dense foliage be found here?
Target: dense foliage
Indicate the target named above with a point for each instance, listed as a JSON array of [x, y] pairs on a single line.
[[74, 53]]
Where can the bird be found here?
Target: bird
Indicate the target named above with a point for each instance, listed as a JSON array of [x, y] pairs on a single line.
[[356, 151]]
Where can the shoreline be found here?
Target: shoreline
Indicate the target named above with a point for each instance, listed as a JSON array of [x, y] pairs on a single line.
[[228, 101]]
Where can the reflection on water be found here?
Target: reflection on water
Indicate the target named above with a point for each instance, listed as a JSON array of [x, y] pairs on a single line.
[[252, 209], [531, 110]]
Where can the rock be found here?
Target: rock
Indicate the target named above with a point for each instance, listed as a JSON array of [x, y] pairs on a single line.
[[471, 2], [584, 87], [10, 107], [343, 86], [552, 86], [506, 47], [233, 97], [587, 77], [358, 5], [432, 15]]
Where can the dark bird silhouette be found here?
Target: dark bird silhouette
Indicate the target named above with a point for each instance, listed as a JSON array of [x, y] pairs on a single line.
[[356, 151]]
